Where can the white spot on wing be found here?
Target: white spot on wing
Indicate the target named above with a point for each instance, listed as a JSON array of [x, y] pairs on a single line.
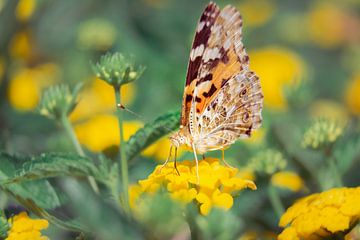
[[200, 26], [198, 51], [211, 53]]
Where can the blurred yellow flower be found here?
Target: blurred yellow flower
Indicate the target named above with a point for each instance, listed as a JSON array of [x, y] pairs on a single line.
[[325, 23], [98, 34], [329, 109], [25, 228], [160, 150], [216, 188], [20, 45], [2, 68], [320, 215], [277, 67], [25, 9], [101, 132], [256, 13], [288, 180], [26, 84], [256, 235], [99, 98], [257, 136], [352, 95]]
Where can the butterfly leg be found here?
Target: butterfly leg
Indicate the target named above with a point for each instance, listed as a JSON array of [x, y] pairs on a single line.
[[223, 159], [203, 156], [197, 164], [167, 160], [175, 162]]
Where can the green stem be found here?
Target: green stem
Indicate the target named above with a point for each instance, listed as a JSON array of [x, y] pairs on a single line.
[[122, 151], [70, 132], [276, 201], [335, 172], [332, 165]]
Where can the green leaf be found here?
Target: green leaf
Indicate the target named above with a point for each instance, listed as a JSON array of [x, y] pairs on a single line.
[[151, 132], [40, 191], [55, 165]]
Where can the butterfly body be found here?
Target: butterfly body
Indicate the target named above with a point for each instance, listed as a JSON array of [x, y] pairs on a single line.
[[222, 99]]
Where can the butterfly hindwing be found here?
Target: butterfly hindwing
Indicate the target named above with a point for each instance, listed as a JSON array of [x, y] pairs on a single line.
[[234, 112]]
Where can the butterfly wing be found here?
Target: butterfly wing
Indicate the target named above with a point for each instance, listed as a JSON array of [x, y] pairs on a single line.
[[233, 113], [202, 36], [217, 55]]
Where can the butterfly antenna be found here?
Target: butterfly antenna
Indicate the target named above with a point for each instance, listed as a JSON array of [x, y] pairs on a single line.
[[121, 106]]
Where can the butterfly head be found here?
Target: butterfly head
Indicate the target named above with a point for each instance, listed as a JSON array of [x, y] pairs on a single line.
[[179, 138]]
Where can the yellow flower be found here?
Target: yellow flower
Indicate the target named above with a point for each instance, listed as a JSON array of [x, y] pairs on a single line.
[[101, 132], [216, 188], [326, 24], [99, 98], [352, 94], [330, 110], [322, 214], [20, 45], [98, 34], [257, 137], [25, 9], [256, 13], [2, 68], [25, 228], [26, 84], [256, 234], [288, 180], [277, 68]]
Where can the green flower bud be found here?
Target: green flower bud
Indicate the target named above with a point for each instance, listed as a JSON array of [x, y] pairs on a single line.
[[321, 133], [268, 161], [116, 69], [58, 101]]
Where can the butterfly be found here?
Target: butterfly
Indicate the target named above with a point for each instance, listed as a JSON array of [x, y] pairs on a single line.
[[222, 99]]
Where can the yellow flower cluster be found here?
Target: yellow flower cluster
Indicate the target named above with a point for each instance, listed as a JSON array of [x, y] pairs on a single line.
[[102, 131], [25, 228], [25, 9], [352, 94], [99, 98], [26, 84], [277, 67], [257, 13], [322, 214], [326, 24], [216, 187], [288, 180]]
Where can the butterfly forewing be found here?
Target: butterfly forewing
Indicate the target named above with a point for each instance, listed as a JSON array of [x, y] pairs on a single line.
[[222, 99]]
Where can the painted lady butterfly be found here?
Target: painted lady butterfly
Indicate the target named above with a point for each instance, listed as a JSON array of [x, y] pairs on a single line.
[[222, 99]]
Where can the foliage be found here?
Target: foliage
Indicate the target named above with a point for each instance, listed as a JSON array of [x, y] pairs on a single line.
[[67, 69]]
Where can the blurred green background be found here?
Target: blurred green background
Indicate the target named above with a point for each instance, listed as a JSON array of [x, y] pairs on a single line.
[[306, 53]]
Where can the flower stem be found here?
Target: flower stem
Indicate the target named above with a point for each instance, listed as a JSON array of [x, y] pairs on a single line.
[[276, 201], [122, 151], [70, 132]]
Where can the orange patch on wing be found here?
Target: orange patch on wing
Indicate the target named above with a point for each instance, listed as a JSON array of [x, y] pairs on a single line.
[[220, 72]]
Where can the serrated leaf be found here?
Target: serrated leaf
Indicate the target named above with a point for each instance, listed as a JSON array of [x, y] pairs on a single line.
[[39, 191], [151, 132], [54, 165]]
